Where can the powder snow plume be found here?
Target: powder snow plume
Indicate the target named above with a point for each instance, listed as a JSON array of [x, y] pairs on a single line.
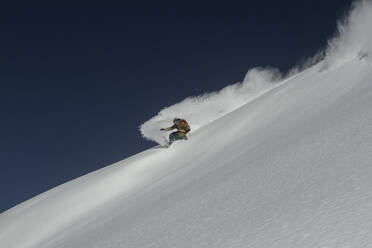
[[354, 36], [203, 109], [352, 40]]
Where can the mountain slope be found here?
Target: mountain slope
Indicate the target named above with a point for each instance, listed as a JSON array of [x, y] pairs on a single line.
[[290, 169]]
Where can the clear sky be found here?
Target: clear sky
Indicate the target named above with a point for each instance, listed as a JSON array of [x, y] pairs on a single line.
[[75, 83]]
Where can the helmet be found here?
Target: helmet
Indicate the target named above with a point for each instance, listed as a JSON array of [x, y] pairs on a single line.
[[175, 120]]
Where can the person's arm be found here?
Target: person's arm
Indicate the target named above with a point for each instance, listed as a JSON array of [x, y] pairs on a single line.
[[168, 128]]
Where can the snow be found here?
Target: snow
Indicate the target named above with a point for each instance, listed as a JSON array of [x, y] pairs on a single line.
[[354, 37], [201, 110], [287, 163]]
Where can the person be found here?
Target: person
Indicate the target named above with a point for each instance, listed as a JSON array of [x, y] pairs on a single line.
[[182, 129]]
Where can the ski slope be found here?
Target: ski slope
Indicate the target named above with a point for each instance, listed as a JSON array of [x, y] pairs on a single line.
[[289, 168]]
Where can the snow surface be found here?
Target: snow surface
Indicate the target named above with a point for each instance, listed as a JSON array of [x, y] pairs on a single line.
[[289, 165]]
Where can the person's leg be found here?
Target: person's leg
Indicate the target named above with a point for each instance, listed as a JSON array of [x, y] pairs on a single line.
[[173, 137]]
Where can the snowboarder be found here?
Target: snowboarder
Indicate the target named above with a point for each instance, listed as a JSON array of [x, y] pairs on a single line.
[[182, 129]]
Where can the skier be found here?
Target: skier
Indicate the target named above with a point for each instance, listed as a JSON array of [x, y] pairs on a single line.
[[182, 129]]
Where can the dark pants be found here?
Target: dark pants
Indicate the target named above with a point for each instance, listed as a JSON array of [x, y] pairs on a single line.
[[173, 137]]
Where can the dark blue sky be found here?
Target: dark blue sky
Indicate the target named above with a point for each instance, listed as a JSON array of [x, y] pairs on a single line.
[[75, 84]]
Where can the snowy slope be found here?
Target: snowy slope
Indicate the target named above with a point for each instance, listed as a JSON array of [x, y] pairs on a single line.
[[291, 168]]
